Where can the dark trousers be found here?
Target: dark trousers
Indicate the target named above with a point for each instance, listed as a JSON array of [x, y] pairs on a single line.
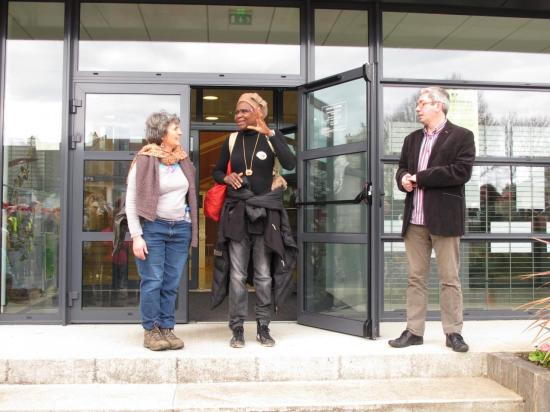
[[239, 256]]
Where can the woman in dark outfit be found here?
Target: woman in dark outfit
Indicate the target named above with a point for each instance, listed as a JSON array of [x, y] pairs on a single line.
[[247, 223]]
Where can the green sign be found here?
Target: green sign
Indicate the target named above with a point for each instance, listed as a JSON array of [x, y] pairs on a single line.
[[240, 17]]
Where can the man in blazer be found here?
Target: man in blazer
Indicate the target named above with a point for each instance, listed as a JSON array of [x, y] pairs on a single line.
[[435, 163]]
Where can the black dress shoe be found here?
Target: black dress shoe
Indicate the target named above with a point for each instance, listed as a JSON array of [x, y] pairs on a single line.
[[406, 339], [456, 341]]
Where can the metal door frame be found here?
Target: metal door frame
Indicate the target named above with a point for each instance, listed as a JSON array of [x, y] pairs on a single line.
[[77, 156], [368, 327]]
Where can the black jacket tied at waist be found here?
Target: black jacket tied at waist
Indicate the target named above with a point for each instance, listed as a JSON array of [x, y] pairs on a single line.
[[245, 213]]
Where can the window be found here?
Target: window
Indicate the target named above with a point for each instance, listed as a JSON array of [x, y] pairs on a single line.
[[462, 47], [341, 40], [189, 38], [32, 176]]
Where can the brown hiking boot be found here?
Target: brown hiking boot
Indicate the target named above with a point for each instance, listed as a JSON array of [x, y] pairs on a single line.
[[153, 339], [173, 340]]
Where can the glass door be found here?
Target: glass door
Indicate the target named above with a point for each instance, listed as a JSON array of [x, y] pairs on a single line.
[[108, 130], [334, 209]]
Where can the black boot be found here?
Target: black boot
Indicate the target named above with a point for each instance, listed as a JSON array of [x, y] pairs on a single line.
[[263, 335], [237, 341]]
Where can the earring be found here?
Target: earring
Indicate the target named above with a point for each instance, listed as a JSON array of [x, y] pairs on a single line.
[[162, 145]]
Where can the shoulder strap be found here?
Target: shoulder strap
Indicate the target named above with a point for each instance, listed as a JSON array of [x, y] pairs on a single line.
[[232, 140], [277, 164]]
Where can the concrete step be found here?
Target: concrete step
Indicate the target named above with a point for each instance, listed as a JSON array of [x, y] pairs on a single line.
[[241, 366], [448, 394]]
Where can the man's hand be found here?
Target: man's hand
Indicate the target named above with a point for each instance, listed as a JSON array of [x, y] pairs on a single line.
[[139, 247], [234, 180], [408, 182]]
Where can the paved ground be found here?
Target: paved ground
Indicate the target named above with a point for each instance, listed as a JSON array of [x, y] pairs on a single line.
[[206, 339]]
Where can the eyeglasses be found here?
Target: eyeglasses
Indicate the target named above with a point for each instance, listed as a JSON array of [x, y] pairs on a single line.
[[422, 103], [242, 111]]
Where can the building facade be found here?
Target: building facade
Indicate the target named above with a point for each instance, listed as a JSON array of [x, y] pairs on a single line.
[[78, 79]]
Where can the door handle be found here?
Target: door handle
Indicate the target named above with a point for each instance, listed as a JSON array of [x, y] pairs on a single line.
[[364, 196]]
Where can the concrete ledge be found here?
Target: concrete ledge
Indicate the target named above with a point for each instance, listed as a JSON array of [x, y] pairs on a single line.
[[3, 371], [286, 368], [426, 395], [530, 381], [140, 370], [416, 365], [50, 371], [204, 369], [112, 354]]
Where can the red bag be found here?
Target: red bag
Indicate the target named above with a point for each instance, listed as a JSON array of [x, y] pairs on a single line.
[[214, 198]]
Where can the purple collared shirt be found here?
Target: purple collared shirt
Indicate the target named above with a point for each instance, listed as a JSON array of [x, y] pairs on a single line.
[[428, 141]]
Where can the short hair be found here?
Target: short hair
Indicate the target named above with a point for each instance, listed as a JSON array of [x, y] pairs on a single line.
[[438, 94], [156, 126]]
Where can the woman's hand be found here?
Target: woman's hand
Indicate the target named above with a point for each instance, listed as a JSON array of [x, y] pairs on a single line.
[[278, 181], [139, 247], [261, 126], [234, 180]]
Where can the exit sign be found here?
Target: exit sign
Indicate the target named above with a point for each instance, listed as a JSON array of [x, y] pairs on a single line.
[[240, 17]]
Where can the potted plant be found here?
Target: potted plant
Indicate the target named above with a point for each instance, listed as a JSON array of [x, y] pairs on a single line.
[[541, 307]]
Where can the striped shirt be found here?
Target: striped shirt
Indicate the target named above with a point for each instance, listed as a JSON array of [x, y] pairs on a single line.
[[428, 141]]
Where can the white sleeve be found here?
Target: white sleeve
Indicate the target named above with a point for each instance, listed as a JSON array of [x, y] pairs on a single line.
[[131, 213]]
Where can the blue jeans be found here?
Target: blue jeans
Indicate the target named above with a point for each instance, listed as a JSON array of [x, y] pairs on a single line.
[[160, 272]]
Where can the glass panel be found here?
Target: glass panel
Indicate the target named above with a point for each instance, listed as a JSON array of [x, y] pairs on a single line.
[[341, 40], [489, 272], [290, 108], [336, 178], [104, 192], [219, 104], [32, 160], [460, 47], [394, 201], [117, 121], [193, 108], [109, 280], [505, 123], [337, 115], [189, 38], [336, 280], [499, 199]]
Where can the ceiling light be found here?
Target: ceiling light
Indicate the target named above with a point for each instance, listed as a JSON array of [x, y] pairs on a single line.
[[210, 98], [211, 117]]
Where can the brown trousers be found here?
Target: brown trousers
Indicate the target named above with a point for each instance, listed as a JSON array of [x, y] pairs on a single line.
[[419, 243]]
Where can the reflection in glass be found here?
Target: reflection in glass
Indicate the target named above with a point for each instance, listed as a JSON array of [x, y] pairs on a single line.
[[189, 38], [337, 115], [219, 104], [104, 193], [341, 40], [461, 47], [505, 123], [109, 280], [336, 280], [489, 272], [499, 199], [32, 178], [117, 121], [336, 178]]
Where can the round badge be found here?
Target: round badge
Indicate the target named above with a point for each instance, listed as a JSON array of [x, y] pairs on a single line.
[[261, 155]]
